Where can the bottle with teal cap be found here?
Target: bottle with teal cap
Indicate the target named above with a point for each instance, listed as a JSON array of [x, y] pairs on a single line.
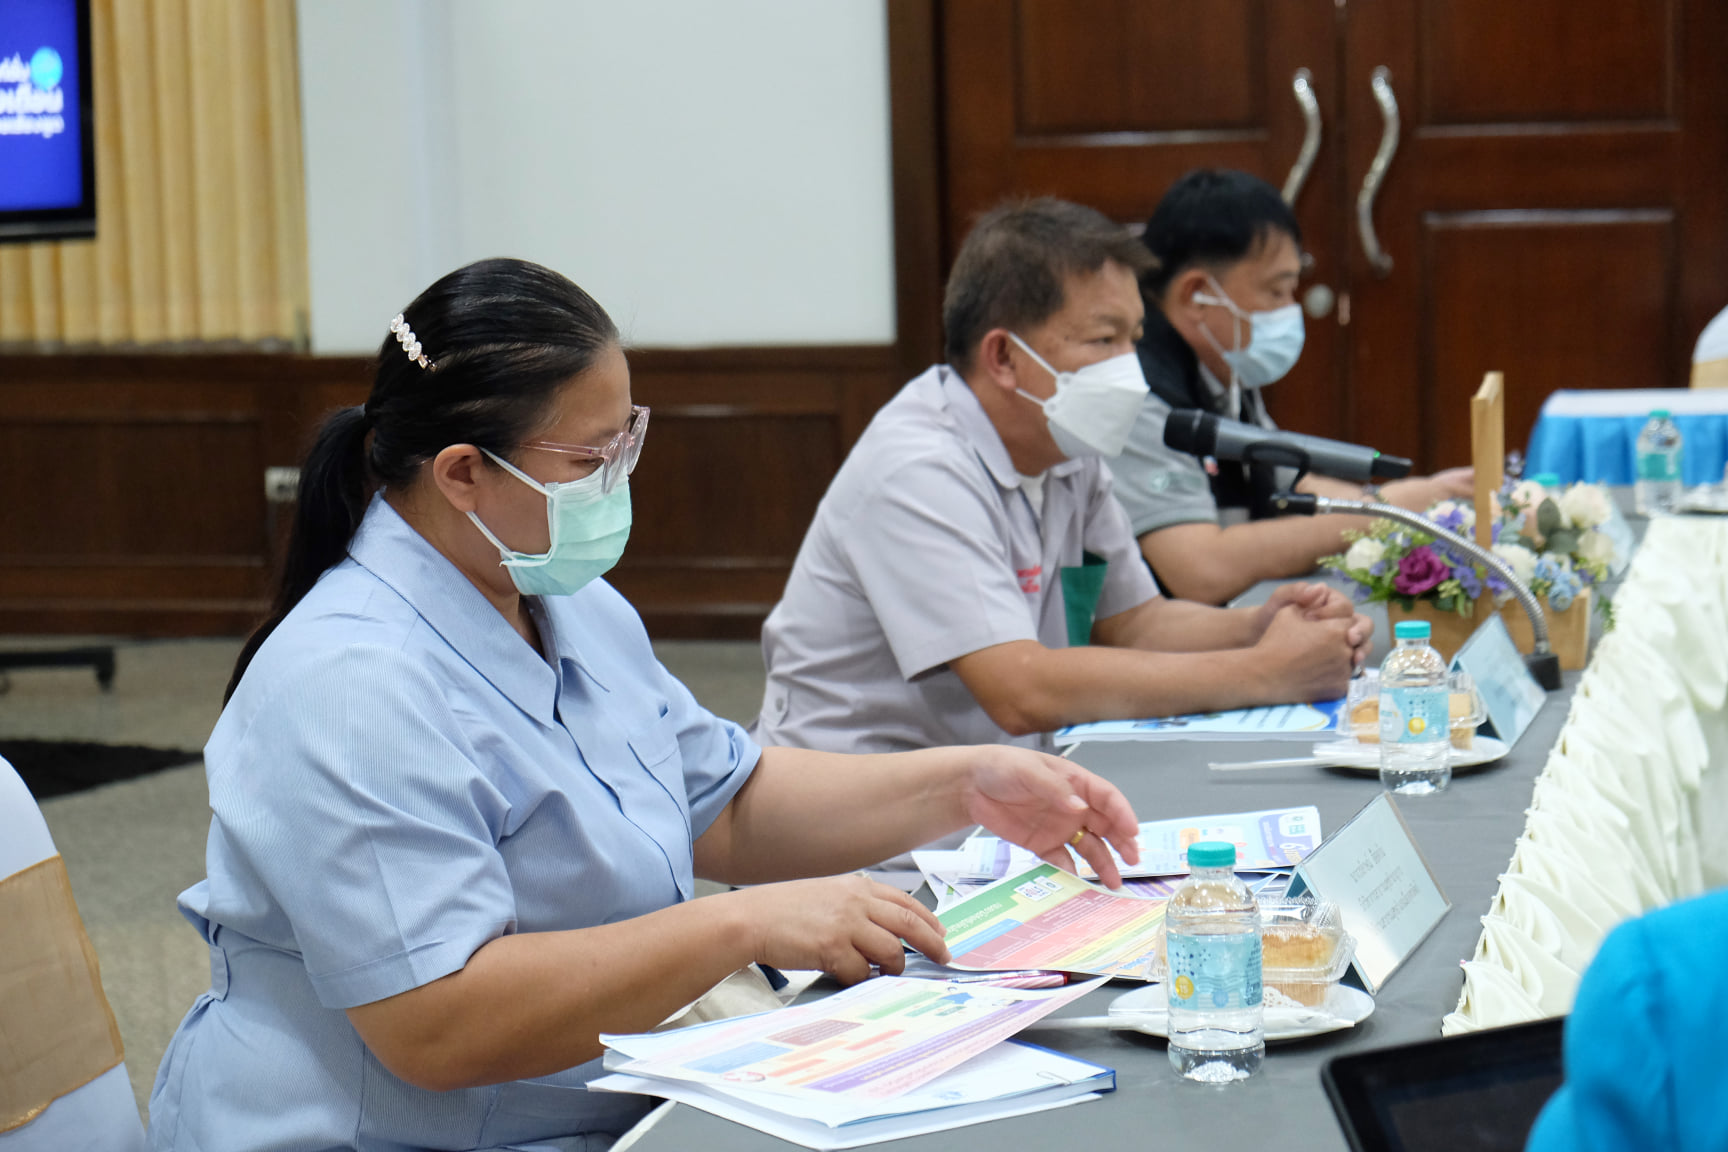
[[1212, 955], [1415, 714], [1656, 488]]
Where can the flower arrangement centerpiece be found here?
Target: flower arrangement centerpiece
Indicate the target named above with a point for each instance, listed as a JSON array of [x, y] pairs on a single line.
[[1554, 542]]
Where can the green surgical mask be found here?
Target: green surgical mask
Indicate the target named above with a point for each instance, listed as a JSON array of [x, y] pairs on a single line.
[[587, 527]]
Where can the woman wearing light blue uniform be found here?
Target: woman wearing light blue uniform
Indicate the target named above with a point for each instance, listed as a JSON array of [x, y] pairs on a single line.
[[458, 806]]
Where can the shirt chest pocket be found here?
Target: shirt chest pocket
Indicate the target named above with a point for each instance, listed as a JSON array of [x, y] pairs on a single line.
[[655, 746]]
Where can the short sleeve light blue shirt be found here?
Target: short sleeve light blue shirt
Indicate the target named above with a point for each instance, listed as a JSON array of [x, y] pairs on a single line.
[[398, 780]]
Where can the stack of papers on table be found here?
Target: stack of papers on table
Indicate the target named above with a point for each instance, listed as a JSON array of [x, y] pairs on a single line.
[[1276, 722], [1266, 841], [887, 1058]]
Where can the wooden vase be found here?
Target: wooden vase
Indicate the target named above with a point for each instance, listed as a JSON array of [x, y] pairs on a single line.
[[1568, 631]]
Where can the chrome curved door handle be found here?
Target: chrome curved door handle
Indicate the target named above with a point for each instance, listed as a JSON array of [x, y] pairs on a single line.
[[1381, 82], [1302, 84]]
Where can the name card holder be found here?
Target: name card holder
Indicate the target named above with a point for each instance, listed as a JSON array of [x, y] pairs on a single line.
[[1386, 894], [1510, 695]]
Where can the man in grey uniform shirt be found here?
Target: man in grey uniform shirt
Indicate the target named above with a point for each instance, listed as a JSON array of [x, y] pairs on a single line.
[[1222, 324], [968, 576]]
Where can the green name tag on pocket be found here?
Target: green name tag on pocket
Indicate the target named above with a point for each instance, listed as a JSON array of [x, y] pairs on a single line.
[[1081, 587]]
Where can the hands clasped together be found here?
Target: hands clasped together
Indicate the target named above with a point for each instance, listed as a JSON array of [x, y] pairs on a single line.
[[1314, 638]]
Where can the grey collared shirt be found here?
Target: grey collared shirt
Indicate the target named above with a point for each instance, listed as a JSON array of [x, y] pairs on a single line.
[[926, 548], [1160, 487]]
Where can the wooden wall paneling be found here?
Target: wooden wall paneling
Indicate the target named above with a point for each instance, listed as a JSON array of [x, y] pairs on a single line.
[[1309, 36], [914, 92], [1109, 102], [1564, 218], [1084, 66], [145, 505], [741, 448], [1498, 283], [1702, 205], [1579, 61]]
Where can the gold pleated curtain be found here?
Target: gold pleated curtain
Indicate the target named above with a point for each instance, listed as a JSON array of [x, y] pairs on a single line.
[[200, 205]]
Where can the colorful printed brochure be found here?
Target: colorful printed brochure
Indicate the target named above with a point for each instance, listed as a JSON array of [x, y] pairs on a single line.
[[868, 1043], [1276, 722], [1276, 838], [946, 873], [1010, 1079], [1048, 918]]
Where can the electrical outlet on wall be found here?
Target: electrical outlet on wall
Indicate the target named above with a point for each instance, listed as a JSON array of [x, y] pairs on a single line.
[[281, 485]]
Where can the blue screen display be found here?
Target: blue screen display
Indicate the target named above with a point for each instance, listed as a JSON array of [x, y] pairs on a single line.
[[41, 153]]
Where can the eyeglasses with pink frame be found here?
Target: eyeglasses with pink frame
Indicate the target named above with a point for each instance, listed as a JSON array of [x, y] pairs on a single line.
[[617, 456]]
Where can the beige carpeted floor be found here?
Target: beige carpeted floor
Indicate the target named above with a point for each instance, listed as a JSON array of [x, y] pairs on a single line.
[[131, 848]]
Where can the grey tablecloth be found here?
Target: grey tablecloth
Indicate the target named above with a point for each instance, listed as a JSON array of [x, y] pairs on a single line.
[[1467, 834]]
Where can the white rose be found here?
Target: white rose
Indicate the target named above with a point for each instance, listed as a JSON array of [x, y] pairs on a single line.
[[1364, 554], [1596, 548], [1584, 505], [1528, 494], [1522, 560]]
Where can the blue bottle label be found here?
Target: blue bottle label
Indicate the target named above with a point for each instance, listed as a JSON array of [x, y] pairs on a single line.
[[1415, 715], [1209, 972], [1659, 466]]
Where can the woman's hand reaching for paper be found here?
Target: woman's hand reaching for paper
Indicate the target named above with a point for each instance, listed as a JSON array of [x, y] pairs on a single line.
[[841, 925], [1042, 803]]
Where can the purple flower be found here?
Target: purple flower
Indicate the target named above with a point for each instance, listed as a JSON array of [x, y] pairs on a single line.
[[1419, 571], [1496, 585], [1359, 592], [1378, 568], [1469, 581], [1452, 519]]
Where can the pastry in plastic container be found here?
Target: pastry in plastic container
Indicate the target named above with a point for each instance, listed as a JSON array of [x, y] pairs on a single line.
[[1465, 705], [1304, 949]]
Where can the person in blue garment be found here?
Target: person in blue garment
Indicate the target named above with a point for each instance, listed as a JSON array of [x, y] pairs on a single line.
[[458, 806], [1645, 1067]]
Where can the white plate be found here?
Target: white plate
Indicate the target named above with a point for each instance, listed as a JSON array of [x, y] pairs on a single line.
[[1145, 1010], [1366, 757]]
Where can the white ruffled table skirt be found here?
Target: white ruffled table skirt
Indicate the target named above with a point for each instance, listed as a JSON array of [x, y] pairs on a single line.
[[1631, 810]]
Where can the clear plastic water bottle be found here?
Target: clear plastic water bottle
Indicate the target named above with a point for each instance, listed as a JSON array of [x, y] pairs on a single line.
[[1212, 947], [1415, 714], [1657, 488]]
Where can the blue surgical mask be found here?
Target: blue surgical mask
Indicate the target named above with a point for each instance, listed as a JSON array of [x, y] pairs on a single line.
[[1274, 344], [587, 529]]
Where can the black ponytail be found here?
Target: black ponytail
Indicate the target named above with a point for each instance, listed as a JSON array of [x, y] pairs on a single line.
[[502, 336]]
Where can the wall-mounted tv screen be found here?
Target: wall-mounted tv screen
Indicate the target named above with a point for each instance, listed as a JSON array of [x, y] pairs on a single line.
[[47, 137]]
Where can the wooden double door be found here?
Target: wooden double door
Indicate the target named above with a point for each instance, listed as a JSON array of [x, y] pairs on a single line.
[[1539, 187]]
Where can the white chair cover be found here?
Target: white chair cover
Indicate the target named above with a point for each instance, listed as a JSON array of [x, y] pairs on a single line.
[[1631, 810], [1550, 920], [100, 1116], [1550, 983]]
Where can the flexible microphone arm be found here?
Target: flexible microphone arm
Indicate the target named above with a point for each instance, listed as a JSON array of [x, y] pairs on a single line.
[[1542, 661]]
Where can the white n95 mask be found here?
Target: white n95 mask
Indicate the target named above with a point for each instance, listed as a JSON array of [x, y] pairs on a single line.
[[1094, 408], [586, 526], [1274, 343]]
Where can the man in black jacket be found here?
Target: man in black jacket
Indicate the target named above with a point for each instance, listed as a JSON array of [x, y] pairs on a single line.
[[1222, 322]]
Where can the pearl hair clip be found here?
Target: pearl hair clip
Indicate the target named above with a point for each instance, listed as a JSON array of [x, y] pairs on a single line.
[[410, 344]]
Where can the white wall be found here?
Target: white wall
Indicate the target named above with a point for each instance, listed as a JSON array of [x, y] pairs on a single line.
[[714, 173]]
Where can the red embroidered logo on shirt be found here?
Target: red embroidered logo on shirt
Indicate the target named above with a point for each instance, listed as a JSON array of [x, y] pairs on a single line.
[[1029, 578]]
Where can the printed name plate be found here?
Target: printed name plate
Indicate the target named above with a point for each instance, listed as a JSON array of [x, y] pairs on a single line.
[[1510, 695], [1386, 894]]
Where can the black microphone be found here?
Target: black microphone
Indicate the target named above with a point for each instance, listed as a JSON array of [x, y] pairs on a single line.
[[1205, 434]]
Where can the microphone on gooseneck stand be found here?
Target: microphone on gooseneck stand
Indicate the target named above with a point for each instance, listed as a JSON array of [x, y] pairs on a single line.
[[1206, 434]]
